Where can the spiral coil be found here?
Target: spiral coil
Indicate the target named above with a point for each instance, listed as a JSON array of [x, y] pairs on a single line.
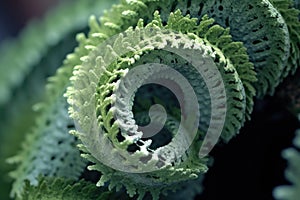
[[214, 57]]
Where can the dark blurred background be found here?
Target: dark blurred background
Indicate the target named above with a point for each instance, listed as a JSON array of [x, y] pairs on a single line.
[[15, 14], [249, 167]]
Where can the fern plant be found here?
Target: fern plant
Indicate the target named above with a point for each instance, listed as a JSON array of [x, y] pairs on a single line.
[[292, 173], [253, 45]]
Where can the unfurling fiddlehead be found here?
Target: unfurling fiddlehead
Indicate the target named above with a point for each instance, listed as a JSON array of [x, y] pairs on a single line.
[[212, 56]]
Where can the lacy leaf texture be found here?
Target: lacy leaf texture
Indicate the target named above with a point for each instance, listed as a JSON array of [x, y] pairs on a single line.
[[88, 107]]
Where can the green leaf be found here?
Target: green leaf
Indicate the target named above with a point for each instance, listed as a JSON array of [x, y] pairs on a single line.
[[64, 189], [48, 150], [292, 173]]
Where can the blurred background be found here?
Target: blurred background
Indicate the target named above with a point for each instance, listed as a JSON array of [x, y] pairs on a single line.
[[15, 14]]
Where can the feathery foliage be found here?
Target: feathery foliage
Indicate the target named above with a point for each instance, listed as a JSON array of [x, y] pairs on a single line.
[[254, 45]]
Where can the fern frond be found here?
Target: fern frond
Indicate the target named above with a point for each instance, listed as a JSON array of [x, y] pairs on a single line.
[[41, 48], [257, 24], [188, 190], [19, 58], [290, 15], [97, 78], [251, 43], [297, 4], [292, 155], [49, 150], [63, 189]]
